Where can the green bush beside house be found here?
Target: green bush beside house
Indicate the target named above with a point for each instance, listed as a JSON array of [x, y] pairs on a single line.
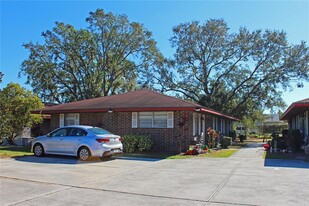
[[133, 143], [295, 140], [226, 142]]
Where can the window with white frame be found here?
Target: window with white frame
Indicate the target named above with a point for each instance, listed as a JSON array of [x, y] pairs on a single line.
[[145, 119], [152, 119], [160, 119], [69, 119]]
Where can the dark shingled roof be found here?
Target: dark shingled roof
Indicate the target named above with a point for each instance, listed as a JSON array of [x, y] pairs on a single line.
[[141, 100], [304, 101], [296, 108]]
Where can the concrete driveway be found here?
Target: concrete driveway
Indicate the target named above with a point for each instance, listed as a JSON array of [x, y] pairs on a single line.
[[243, 179]]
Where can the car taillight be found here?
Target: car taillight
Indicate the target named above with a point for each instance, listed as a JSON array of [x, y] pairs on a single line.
[[102, 140], [120, 139]]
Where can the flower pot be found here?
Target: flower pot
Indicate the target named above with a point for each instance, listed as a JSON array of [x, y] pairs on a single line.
[[266, 147]]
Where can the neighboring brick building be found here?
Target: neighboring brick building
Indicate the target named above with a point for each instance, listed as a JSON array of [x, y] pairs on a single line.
[[172, 123], [297, 116]]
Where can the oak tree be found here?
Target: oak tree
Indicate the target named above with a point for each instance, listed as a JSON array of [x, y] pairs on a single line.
[[1, 75], [237, 73], [109, 56]]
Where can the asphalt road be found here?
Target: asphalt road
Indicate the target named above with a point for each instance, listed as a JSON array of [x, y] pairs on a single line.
[[243, 179]]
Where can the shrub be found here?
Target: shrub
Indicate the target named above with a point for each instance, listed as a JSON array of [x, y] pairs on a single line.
[[225, 142], [211, 137], [233, 135], [254, 136], [205, 147], [133, 143], [280, 143], [275, 135], [295, 140], [272, 128], [129, 143], [144, 143], [242, 138]]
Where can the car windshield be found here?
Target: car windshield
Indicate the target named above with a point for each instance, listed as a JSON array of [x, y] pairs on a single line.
[[97, 130]]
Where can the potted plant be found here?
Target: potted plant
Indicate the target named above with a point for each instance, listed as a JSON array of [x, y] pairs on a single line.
[[266, 147]]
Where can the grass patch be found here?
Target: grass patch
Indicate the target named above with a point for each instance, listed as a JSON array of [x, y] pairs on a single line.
[[220, 153], [238, 145], [224, 153], [286, 156], [14, 151], [175, 157], [258, 139]]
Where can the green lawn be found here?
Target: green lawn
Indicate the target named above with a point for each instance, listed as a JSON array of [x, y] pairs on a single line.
[[14, 151], [238, 145], [174, 157], [224, 153], [220, 153]]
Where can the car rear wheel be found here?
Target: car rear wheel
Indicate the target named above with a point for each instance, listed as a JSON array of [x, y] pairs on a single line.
[[84, 154], [38, 150]]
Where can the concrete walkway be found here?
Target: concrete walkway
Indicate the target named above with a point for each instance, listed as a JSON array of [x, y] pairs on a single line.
[[243, 179]]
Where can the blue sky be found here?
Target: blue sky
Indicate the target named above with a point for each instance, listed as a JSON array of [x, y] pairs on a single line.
[[24, 21]]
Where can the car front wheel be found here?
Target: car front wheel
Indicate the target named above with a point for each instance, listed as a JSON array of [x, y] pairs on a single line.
[[38, 150], [84, 154]]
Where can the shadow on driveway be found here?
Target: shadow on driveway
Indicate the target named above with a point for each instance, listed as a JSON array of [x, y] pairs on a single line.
[[55, 159], [145, 159], [286, 163]]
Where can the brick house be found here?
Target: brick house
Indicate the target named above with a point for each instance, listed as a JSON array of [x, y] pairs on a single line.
[[172, 123], [297, 116]]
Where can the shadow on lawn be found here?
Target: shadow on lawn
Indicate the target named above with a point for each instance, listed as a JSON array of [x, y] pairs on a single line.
[[286, 160]]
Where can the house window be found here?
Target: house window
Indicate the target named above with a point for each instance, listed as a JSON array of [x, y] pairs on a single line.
[[69, 119], [160, 119], [145, 119], [152, 119]]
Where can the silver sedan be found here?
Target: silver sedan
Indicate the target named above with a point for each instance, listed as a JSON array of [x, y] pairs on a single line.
[[81, 141]]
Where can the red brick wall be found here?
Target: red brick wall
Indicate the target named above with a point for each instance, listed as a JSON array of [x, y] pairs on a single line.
[[165, 140]]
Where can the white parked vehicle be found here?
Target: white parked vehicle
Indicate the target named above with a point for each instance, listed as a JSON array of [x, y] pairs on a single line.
[[240, 130], [78, 140]]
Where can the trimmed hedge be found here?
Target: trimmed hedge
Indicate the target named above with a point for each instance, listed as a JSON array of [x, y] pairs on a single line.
[[132, 143], [225, 142], [295, 140], [233, 135]]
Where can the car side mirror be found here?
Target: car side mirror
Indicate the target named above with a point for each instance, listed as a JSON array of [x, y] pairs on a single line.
[[48, 135]]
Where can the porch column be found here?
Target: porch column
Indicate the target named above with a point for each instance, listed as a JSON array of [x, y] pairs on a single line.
[[306, 124]]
